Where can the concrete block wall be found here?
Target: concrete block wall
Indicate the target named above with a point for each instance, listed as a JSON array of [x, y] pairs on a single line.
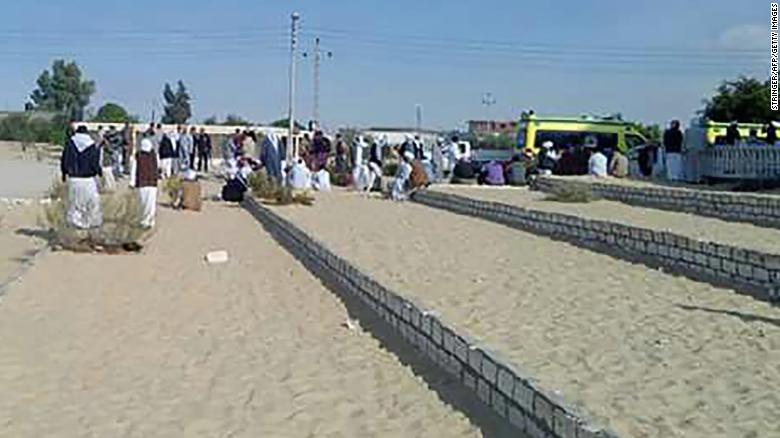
[[751, 272], [763, 210], [512, 394]]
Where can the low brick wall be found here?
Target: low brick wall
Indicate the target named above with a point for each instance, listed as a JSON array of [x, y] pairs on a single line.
[[751, 272], [763, 210], [512, 394]]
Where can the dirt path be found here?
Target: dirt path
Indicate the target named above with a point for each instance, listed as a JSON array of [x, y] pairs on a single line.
[[162, 345]]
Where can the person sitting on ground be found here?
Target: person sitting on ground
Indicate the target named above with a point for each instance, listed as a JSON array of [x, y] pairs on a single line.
[[320, 181], [299, 177], [618, 167], [398, 192], [419, 175], [492, 174], [463, 171], [515, 171], [597, 163], [547, 159]]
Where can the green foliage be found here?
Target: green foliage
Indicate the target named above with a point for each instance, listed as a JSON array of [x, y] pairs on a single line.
[[501, 141], [211, 121], [235, 120], [112, 113], [285, 123], [390, 169], [63, 90], [651, 132], [177, 104], [28, 130], [745, 100]]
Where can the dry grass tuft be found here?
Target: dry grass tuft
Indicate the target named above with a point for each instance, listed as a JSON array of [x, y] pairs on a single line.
[[120, 232], [265, 188], [572, 194]]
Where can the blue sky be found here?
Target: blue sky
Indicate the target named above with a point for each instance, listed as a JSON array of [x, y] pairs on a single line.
[[650, 60]]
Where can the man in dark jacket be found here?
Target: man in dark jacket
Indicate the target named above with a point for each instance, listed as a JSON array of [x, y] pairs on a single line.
[[204, 150], [673, 141], [80, 166]]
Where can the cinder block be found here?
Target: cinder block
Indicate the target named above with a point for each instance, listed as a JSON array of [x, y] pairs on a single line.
[[543, 410], [475, 359], [713, 262], [516, 417], [506, 381], [523, 395], [436, 334], [461, 349], [564, 424], [729, 267], [498, 402], [448, 340], [469, 380], [489, 369], [701, 259], [534, 430], [760, 274], [744, 270], [483, 391]]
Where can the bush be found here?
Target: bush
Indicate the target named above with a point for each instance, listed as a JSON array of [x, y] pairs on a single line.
[[173, 189], [120, 231], [572, 194], [266, 188]]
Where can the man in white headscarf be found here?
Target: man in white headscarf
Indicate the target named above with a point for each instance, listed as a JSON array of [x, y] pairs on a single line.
[[80, 166], [271, 156], [398, 192], [145, 181], [360, 177]]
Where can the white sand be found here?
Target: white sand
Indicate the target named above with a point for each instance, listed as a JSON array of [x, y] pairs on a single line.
[[738, 234], [652, 354], [162, 345], [16, 245]]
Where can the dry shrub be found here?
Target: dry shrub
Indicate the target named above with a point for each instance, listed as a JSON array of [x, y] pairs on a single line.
[[121, 230], [572, 194], [266, 188], [173, 190]]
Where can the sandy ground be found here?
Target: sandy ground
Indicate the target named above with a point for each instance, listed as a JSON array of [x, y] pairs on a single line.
[[162, 345], [23, 178], [651, 354], [17, 246], [738, 234]]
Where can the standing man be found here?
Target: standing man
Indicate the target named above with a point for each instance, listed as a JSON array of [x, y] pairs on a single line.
[[771, 133], [80, 167], [146, 180], [186, 148], [204, 150], [194, 139], [673, 141]]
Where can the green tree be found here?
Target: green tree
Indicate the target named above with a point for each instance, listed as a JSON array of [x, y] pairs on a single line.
[[177, 104], [744, 100], [211, 121], [63, 90], [235, 120], [651, 132], [285, 123], [112, 112]]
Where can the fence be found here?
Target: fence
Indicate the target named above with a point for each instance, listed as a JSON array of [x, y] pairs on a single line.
[[741, 162]]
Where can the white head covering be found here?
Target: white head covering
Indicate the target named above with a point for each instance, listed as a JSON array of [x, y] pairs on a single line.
[[146, 145], [273, 139], [82, 141], [409, 155], [408, 137], [547, 144]]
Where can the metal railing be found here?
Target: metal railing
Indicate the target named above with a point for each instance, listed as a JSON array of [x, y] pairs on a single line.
[[740, 162]]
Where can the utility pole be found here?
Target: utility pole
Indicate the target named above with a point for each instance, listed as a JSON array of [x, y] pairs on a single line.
[[418, 110], [318, 54], [291, 152]]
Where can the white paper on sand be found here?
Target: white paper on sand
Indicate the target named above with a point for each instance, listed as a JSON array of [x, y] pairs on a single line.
[[217, 257]]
